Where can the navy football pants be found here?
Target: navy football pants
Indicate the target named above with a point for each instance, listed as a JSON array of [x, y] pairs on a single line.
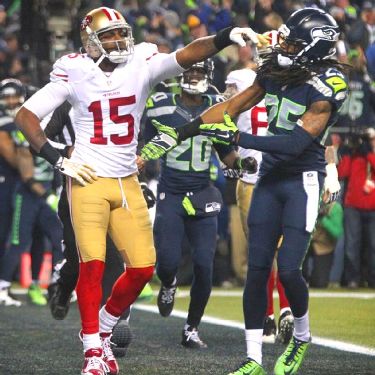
[[171, 224], [281, 205]]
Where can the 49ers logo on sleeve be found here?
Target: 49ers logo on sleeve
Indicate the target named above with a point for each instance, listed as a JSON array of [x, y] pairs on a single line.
[[85, 22]]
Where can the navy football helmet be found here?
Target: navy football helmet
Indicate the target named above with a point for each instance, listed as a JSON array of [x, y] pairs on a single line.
[[12, 95], [308, 36], [190, 82]]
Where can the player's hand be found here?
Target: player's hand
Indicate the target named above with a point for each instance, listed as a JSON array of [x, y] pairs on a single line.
[[331, 184], [83, 173], [249, 164], [53, 201], [140, 163], [224, 133], [240, 35], [148, 195], [163, 142]]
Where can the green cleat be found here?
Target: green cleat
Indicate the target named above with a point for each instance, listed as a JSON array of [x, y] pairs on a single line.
[[36, 295], [249, 367], [290, 361]]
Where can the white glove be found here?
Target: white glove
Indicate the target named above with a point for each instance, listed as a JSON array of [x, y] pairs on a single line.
[[241, 35], [331, 184], [83, 173]]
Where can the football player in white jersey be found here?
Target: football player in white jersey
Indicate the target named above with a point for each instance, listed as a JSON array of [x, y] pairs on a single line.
[[108, 87]]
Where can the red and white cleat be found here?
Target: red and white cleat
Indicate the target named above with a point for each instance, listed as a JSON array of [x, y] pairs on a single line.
[[94, 363], [108, 355]]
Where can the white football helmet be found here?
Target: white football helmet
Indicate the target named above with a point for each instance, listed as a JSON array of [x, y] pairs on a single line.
[[99, 21]]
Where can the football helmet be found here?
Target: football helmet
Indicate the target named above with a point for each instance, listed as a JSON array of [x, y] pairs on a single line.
[[308, 36], [190, 82], [99, 21], [12, 95]]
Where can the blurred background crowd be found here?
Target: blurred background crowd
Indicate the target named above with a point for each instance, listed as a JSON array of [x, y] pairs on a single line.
[[34, 33]]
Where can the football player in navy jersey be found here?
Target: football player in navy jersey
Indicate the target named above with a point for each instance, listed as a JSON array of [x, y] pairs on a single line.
[[186, 201], [304, 88]]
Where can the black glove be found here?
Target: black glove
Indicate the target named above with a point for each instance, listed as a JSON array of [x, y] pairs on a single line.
[[249, 164], [148, 195]]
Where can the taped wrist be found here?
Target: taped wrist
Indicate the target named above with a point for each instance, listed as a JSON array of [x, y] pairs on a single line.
[[221, 39], [191, 129], [49, 153]]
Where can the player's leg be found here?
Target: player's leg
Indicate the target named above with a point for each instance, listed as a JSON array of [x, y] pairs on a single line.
[[169, 229], [131, 232], [269, 330], [36, 253], [302, 195], [264, 231], [65, 274], [25, 211], [90, 210], [201, 233]]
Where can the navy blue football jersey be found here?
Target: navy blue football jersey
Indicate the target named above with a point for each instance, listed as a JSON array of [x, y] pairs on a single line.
[[285, 105], [186, 168], [6, 125]]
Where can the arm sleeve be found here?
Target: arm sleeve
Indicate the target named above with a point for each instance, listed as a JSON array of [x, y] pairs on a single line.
[[223, 150], [47, 99], [163, 66], [59, 119], [291, 144]]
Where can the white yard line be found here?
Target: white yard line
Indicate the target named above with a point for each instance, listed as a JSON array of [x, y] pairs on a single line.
[[334, 344], [312, 294]]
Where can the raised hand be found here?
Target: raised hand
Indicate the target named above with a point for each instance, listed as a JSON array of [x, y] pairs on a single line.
[[240, 35]]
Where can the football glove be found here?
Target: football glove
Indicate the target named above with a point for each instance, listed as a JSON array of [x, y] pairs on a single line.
[[223, 133], [240, 35], [163, 142], [331, 184], [83, 173], [53, 201], [148, 195]]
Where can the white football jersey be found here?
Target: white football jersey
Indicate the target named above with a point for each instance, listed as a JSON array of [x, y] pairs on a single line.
[[108, 106]]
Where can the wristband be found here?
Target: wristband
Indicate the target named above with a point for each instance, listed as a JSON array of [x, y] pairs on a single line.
[[189, 130], [49, 153], [221, 39], [30, 181]]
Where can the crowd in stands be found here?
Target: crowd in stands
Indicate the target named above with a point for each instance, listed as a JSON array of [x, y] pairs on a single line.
[[342, 252]]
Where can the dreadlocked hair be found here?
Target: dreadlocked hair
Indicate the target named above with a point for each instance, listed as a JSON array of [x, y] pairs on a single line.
[[295, 75]]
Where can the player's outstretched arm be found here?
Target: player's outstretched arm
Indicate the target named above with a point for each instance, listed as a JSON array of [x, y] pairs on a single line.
[[29, 124], [311, 124], [203, 48], [168, 137]]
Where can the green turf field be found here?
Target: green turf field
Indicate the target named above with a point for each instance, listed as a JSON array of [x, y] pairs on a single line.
[[34, 344]]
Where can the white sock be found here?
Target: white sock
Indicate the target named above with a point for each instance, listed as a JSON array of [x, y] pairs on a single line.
[[106, 320], [91, 341], [302, 328], [4, 284], [254, 344]]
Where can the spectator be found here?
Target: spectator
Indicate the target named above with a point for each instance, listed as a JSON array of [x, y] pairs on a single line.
[[359, 208]]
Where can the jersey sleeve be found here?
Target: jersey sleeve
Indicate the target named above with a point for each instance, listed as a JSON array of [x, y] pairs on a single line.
[[223, 150], [331, 86], [163, 66]]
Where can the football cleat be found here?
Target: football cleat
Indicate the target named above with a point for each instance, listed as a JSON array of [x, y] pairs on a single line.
[[290, 361], [286, 326], [249, 367], [108, 355], [7, 300], [36, 296], [121, 338], [190, 339], [166, 300], [94, 364], [269, 330], [59, 302]]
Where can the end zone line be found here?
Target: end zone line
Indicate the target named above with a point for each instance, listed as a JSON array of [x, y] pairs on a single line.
[[334, 344]]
